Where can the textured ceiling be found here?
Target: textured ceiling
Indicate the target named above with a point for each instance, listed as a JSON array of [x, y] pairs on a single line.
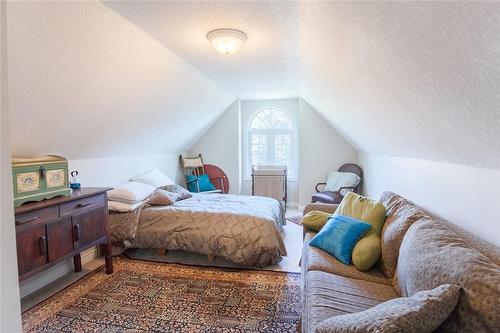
[[84, 82], [407, 79], [266, 66], [411, 79]]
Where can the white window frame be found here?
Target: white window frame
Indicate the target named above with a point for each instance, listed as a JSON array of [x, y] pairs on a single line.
[[270, 133]]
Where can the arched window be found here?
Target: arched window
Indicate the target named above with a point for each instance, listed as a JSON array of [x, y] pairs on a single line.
[[271, 140]]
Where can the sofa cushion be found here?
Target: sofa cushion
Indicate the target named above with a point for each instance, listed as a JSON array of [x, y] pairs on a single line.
[[315, 220], [327, 295], [367, 251], [339, 236], [491, 251], [430, 255], [401, 214], [322, 207], [314, 259], [422, 312]]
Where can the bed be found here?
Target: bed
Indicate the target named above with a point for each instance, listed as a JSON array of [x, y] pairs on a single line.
[[243, 229]]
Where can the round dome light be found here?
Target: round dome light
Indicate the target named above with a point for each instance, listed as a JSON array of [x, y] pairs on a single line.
[[227, 41]]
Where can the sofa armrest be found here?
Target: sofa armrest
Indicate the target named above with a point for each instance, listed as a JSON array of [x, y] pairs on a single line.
[[323, 207]]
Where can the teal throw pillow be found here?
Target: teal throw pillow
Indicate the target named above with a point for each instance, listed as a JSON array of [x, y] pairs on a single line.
[[204, 183], [191, 183], [339, 236]]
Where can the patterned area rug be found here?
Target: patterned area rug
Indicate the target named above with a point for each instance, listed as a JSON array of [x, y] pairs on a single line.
[[295, 219], [144, 296]]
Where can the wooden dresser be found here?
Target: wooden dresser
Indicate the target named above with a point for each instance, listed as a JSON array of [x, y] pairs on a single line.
[[49, 231]]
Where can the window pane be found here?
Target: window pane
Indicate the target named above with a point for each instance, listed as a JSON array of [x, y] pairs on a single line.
[[283, 151], [271, 140], [258, 149], [271, 119]]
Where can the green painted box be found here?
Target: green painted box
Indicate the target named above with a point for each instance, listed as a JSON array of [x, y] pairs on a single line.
[[39, 178]]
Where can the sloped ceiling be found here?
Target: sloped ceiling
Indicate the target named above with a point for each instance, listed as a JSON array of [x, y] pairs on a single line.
[[84, 82], [266, 66], [411, 79]]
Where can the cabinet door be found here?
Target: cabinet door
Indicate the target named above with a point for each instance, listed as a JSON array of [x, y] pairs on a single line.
[[59, 238], [31, 248], [88, 226]]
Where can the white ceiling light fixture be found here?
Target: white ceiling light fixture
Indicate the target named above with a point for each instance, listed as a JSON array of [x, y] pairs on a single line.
[[227, 41]]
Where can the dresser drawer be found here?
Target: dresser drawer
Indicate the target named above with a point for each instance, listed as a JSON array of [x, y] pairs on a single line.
[[38, 216], [81, 205]]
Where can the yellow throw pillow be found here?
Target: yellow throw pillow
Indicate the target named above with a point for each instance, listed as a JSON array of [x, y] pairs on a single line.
[[367, 250], [315, 219]]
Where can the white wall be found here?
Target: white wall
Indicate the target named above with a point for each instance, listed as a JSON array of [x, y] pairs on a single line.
[[111, 171], [322, 150], [320, 147], [10, 311], [466, 196], [220, 146]]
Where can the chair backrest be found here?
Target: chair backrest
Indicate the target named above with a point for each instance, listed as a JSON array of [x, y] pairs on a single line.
[[353, 168], [192, 165]]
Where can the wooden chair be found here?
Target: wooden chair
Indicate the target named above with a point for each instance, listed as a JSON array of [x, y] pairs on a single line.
[[195, 166], [337, 196]]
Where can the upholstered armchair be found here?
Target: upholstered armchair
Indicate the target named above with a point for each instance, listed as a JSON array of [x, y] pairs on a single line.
[[345, 183]]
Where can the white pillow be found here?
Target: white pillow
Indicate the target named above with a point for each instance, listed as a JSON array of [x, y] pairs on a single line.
[[336, 180], [154, 178], [131, 192], [123, 207]]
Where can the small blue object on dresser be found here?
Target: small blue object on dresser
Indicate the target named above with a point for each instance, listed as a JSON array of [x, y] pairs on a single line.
[[339, 236], [74, 181]]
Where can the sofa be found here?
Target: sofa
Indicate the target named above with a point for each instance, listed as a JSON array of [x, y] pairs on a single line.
[[419, 251]]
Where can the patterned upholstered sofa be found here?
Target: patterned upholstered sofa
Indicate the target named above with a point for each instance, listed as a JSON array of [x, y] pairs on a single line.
[[419, 252]]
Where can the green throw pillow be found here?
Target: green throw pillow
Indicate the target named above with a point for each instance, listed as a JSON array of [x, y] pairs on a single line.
[[367, 251], [315, 220]]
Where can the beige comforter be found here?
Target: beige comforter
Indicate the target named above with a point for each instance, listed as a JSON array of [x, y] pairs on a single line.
[[242, 229]]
